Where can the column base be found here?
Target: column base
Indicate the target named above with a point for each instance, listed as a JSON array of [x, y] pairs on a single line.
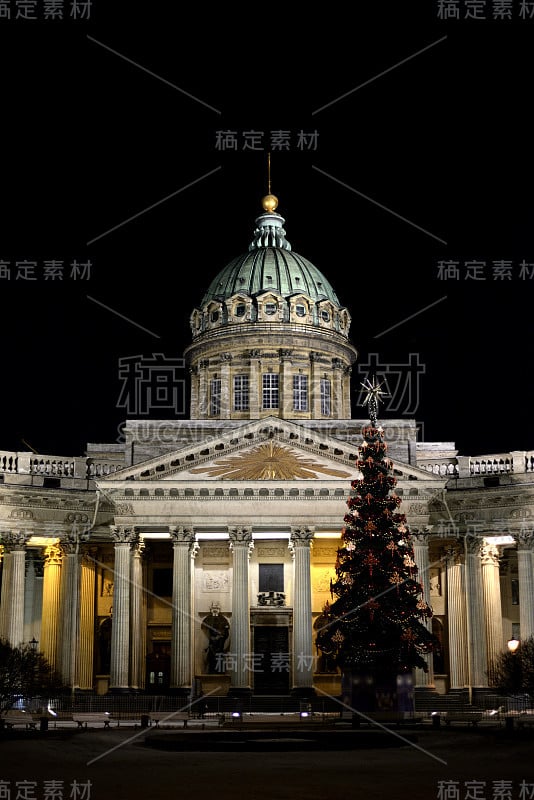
[[303, 692]]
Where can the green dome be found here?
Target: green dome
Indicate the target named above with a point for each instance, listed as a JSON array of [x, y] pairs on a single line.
[[270, 265], [270, 268]]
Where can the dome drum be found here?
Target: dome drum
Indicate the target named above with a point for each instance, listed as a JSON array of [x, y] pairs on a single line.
[[296, 309]]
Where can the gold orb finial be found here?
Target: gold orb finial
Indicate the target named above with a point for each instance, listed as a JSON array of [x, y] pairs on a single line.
[[269, 203]]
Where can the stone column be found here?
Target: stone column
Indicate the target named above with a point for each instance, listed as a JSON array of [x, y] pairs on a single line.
[[476, 629], [15, 543], [53, 557], [286, 385], [337, 388], [69, 611], [29, 597], [491, 587], [6, 589], [226, 388], [315, 386], [137, 639], [241, 545], [456, 617], [203, 390], [182, 627], [254, 385], [120, 627], [525, 569], [420, 548], [86, 638], [300, 543], [346, 411]]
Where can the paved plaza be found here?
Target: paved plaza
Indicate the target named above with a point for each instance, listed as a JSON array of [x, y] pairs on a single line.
[[446, 764]]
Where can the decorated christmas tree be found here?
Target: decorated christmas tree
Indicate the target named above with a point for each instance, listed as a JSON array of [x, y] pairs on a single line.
[[374, 629]]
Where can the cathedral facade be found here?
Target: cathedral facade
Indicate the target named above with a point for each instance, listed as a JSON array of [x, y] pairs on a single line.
[[199, 552]]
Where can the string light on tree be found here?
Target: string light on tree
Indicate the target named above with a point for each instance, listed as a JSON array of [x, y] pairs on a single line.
[[375, 624]]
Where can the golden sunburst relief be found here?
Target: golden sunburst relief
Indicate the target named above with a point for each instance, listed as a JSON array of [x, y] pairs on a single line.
[[268, 462]]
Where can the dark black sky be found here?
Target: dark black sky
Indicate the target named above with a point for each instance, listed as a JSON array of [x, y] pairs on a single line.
[[90, 140]]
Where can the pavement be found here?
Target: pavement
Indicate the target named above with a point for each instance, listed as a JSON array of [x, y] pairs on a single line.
[[261, 763]]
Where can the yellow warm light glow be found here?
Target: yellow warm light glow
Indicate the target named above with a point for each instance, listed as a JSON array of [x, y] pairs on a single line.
[[329, 535], [42, 541]]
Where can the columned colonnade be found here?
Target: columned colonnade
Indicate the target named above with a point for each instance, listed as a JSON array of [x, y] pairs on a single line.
[[67, 634]]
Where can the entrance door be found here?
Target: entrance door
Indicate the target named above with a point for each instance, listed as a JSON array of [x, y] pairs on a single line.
[[271, 651], [158, 668]]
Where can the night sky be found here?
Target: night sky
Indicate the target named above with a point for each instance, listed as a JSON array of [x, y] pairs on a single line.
[[412, 164]]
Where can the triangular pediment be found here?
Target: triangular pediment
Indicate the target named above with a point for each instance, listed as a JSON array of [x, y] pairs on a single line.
[[260, 450]]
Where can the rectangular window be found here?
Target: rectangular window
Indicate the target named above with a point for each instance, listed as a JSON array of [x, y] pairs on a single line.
[[270, 390], [241, 393], [515, 592], [271, 577], [215, 397], [326, 404], [300, 393]]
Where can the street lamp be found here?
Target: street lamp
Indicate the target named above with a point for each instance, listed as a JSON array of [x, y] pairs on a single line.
[[33, 644], [513, 644]]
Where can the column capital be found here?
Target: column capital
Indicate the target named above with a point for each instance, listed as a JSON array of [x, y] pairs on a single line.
[[453, 556], [121, 534], [89, 554], [181, 535], [240, 536], [14, 540], [421, 536], [137, 546], [524, 539], [302, 537], [473, 544], [53, 554], [490, 554]]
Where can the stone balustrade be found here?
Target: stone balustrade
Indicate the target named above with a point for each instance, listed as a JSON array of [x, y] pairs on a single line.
[[20, 463]]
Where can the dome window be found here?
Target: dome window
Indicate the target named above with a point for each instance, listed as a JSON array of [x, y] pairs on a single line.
[[214, 316], [300, 310], [270, 308], [325, 316], [240, 310]]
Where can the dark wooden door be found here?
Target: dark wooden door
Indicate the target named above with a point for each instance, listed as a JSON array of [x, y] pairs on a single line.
[[271, 656]]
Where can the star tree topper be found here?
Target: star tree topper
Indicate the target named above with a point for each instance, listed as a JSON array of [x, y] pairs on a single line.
[[373, 398]]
